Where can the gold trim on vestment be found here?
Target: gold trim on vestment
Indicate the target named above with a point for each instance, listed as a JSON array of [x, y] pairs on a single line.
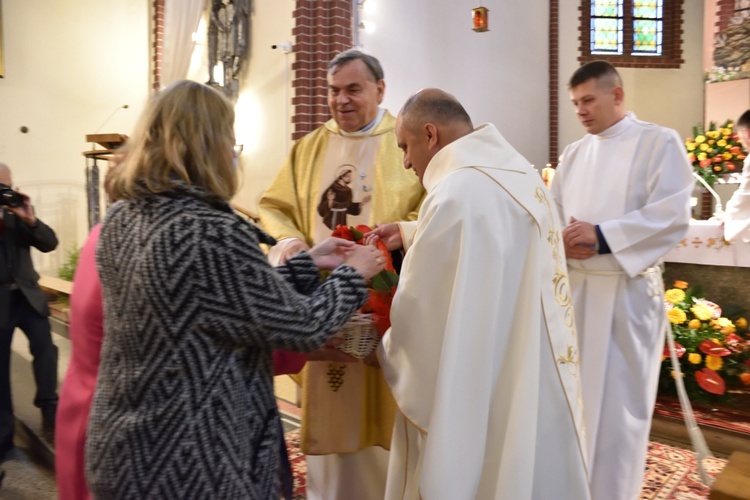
[[570, 356]]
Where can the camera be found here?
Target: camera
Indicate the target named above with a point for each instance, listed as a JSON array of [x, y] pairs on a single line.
[[9, 198]]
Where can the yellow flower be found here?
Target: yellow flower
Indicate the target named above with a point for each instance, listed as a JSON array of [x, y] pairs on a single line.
[[694, 324], [691, 146], [703, 147], [713, 134], [674, 295], [674, 375], [676, 316], [702, 312], [700, 139], [727, 131], [741, 323], [702, 156], [714, 362], [695, 358], [682, 285], [727, 155], [721, 143], [724, 322], [727, 330]]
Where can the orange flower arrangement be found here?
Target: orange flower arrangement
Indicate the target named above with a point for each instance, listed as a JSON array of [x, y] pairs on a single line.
[[714, 351], [383, 285], [715, 151]]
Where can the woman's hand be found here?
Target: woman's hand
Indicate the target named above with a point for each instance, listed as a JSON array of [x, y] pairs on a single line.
[[366, 259], [331, 252]]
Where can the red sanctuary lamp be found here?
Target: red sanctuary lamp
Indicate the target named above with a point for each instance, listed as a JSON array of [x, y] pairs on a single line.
[[480, 16]]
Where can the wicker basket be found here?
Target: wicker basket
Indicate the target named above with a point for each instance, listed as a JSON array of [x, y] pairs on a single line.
[[360, 336]]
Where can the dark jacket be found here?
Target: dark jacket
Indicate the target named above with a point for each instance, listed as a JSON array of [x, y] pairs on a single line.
[[16, 240], [184, 406]]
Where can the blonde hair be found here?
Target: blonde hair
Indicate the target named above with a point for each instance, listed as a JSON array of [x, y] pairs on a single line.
[[185, 136]]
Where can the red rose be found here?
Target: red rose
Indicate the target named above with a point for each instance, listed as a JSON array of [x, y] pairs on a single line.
[[343, 232], [678, 348]]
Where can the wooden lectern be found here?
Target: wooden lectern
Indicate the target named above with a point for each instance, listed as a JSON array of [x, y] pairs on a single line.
[[110, 142]]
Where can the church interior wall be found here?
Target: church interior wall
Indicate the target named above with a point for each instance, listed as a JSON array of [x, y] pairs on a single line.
[[68, 66], [669, 97], [500, 75], [263, 111]]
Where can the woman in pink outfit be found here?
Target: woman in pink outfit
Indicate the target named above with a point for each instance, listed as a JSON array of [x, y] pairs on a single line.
[[86, 322]]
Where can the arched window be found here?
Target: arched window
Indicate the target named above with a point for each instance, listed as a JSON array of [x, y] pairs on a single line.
[[632, 33]]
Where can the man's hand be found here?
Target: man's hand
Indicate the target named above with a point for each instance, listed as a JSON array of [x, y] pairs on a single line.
[[388, 234], [331, 252], [579, 240], [25, 211], [291, 249]]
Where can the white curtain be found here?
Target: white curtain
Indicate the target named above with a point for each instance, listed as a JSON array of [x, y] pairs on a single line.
[[181, 18]]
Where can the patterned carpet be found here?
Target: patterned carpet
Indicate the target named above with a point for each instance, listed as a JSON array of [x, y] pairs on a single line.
[[670, 472]]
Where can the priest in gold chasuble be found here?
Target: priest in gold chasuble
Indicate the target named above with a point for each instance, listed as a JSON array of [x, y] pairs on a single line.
[[348, 171]]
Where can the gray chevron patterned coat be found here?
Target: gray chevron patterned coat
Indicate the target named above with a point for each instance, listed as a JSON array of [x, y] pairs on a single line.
[[184, 405]]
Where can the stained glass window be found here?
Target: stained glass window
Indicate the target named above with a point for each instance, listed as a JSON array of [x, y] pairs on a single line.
[[642, 20], [635, 33]]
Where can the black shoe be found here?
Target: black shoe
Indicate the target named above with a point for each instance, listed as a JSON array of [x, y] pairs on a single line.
[[49, 414]]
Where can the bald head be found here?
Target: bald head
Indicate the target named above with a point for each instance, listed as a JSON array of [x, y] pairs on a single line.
[[430, 120], [5, 177], [438, 107]]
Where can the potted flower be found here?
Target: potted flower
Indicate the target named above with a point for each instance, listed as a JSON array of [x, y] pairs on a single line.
[[713, 351], [715, 151]]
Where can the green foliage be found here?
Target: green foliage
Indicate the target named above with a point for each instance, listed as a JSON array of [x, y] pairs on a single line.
[[68, 269]]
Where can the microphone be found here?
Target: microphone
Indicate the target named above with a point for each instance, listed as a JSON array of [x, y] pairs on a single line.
[[718, 209], [118, 108], [113, 113]]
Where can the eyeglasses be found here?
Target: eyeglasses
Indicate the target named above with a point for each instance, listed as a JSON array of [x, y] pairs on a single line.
[[238, 148]]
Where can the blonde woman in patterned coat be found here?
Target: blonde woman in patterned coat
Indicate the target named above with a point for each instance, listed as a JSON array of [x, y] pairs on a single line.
[[184, 405]]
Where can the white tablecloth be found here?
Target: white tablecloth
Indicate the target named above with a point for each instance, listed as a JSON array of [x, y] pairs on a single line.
[[704, 244]]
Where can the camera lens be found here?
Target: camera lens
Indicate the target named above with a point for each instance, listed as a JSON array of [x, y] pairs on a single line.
[[10, 198]]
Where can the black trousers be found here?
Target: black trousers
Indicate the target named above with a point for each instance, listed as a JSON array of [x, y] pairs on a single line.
[[36, 327]]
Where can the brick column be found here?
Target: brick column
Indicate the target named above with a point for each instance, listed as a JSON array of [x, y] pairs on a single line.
[[323, 28], [157, 45], [554, 82], [725, 11]]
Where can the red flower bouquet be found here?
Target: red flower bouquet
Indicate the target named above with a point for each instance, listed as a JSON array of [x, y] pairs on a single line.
[[363, 332]]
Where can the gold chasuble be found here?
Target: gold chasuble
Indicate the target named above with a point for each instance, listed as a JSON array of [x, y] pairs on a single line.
[[329, 178]]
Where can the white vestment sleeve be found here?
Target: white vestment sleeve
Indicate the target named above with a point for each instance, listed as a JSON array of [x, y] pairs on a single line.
[[641, 237], [737, 215]]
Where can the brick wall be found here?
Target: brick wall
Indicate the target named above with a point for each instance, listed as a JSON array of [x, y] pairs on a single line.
[[323, 28], [554, 80], [725, 11], [157, 43]]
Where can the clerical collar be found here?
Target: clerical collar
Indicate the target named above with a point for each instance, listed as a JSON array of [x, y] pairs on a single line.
[[367, 128], [618, 128]]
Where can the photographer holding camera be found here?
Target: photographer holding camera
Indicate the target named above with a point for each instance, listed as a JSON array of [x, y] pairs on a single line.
[[23, 305]]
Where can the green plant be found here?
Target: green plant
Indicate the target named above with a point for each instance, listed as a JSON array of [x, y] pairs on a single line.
[[68, 269]]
